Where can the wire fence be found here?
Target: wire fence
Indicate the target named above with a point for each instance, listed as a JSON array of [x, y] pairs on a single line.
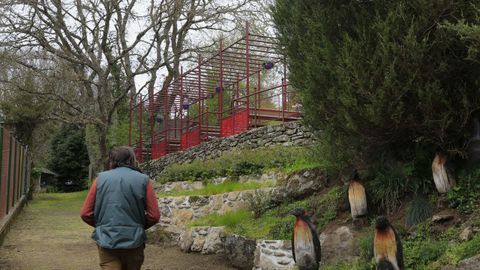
[[14, 172]]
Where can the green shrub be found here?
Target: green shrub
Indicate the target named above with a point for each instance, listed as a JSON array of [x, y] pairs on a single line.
[[388, 185], [240, 162], [329, 157], [466, 194], [422, 252], [258, 202], [458, 252], [455, 252], [245, 168], [379, 78], [365, 245], [282, 229], [449, 235], [325, 206], [418, 210]]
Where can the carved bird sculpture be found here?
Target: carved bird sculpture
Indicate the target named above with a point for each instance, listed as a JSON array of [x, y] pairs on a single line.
[[442, 173], [357, 196], [387, 247], [305, 242]]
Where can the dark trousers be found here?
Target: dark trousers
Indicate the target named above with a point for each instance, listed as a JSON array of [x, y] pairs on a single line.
[[121, 259]]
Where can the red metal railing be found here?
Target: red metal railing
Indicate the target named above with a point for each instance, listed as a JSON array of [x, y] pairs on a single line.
[[190, 138], [235, 123], [236, 73]]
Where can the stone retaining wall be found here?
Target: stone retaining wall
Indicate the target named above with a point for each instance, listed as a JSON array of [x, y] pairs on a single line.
[[178, 211], [269, 177], [206, 240], [273, 255], [291, 133], [337, 246]]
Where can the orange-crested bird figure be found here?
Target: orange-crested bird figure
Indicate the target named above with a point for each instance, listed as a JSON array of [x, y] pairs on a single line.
[[305, 242], [357, 196], [387, 247], [441, 170]]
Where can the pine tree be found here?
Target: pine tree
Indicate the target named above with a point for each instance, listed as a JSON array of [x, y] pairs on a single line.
[[384, 81], [69, 158]]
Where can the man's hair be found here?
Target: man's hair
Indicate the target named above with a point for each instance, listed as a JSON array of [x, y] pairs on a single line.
[[122, 156]]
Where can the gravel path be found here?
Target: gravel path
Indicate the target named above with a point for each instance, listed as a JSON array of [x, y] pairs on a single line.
[[50, 235]]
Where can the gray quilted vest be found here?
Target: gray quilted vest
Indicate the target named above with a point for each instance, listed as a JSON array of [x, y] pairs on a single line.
[[120, 209]]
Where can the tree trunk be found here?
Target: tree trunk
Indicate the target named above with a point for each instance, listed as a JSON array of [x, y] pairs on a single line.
[[92, 147], [102, 146]]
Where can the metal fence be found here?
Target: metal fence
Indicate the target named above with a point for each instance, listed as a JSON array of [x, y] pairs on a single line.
[[14, 171]]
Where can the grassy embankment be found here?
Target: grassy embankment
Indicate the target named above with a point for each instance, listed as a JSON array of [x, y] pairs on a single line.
[[428, 250], [236, 163]]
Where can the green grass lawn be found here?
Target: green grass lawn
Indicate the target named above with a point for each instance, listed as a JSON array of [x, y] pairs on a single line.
[[73, 200], [212, 189], [64, 206]]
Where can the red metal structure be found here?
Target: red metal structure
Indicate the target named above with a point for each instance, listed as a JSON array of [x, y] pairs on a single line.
[[221, 96]]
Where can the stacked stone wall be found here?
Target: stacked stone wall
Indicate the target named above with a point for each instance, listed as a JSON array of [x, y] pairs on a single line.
[[291, 133]]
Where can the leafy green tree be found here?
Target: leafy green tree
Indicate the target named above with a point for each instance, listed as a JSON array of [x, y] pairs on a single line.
[[21, 111], [69, 157], [384, 81]]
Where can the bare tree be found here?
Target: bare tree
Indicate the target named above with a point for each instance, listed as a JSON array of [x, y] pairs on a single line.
[[98, 49]]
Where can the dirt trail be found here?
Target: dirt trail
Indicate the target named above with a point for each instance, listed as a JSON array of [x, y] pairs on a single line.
[[49, 235]]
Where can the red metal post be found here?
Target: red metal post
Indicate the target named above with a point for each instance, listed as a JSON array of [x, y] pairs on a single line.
[[237, 91], [206, 116], [257, 96], [140, 143], [181, 102], [188, 128], [165, 116], [175, 123], [151, 107], [284, 89], [247, 63], [220, 84], [199, 95], [130, 125], [237, 96]]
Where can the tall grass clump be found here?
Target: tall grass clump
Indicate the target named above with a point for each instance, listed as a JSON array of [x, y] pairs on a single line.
[[419, 209], [390, 181]]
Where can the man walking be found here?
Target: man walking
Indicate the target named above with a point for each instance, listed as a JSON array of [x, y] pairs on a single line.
[[121, 204]]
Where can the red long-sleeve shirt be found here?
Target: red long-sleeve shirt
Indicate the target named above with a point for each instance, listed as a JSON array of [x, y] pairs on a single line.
[[152, 213]]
